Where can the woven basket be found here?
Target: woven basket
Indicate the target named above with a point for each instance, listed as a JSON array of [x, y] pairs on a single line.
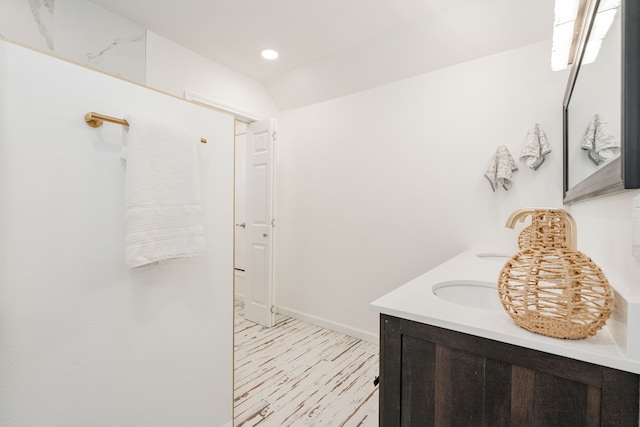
[[524, 238], [550, 289]]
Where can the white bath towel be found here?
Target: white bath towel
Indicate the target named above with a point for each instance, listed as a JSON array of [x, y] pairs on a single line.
[[536, 146], [501, 167], [600, 143], [163, 200]]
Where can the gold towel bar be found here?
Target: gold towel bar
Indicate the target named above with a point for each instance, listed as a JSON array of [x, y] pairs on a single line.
[[95, 120]]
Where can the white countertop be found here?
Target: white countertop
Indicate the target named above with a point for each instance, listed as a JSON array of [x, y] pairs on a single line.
[[416, 301]]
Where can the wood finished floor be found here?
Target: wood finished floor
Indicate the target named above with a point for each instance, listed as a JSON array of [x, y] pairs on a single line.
[[297, 374]]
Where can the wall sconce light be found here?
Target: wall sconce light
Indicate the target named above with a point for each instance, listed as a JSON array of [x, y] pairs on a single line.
[[569, 18]]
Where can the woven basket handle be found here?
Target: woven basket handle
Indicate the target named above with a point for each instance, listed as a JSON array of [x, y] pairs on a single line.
[[572, 230]]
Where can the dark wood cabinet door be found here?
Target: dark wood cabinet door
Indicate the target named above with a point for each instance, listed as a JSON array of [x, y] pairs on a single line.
[[435, 377]]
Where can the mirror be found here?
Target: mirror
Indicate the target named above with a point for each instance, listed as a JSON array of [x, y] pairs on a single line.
[[602, 105], [594, 112]]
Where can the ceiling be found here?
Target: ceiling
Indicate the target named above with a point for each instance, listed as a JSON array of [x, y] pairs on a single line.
[[331, 48]]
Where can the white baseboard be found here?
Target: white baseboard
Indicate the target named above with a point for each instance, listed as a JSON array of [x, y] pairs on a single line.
[[329, 324]]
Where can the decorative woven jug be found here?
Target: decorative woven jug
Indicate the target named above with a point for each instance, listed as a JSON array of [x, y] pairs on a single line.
[[524, 238], [550, 288]]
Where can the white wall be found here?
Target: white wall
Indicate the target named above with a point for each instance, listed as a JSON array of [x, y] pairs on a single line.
[[79, 31], [605, 234], [85, 341], [172, 69], [83, 32], [378, 187]]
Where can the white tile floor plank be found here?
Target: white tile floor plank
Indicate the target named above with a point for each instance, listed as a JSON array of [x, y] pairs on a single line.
[[297, 374]]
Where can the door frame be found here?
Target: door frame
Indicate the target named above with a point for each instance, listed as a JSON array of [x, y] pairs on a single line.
[[240, 246], [247, 117]]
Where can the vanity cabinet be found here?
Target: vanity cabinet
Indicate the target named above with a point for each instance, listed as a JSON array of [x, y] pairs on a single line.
[[431, 376]]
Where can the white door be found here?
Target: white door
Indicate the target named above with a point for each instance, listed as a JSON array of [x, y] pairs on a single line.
[[258, 299]]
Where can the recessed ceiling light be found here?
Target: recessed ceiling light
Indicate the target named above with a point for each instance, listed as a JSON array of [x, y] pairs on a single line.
[[269, 54]]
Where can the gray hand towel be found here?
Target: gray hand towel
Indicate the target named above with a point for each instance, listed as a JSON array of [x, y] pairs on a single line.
[[535, 147], [501, 169]]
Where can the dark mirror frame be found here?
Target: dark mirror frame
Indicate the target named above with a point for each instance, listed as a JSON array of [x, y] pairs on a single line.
[[624, 172]]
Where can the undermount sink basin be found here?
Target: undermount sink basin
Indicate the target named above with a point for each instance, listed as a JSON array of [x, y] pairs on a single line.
[[492, 256], [470, 293]]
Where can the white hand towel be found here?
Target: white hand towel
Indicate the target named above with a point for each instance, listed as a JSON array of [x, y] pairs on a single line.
[[501, 169], [163, 200], [535, 147], [599, 141]]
